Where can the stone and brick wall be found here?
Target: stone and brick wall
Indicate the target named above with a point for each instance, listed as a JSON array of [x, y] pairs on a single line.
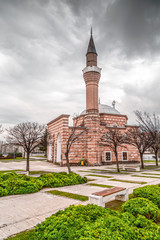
[[88, 145], [110, 119], [55, 127]]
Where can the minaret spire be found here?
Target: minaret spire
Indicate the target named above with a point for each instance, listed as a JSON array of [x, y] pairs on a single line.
[[91, 46]]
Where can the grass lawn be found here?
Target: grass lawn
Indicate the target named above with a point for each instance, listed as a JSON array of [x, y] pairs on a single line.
[[90, 180], [13, 159], [114, 205], [39, 172], [19, 160], [94, 175], [149, 160], [27, 235], [151, 174], [99, 185], [151, 167], [144, 176], [69, 195], [118, 180], [40, 156], [108, 171], [6, 171]]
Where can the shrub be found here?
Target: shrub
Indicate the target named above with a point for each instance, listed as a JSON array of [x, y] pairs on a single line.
[[141, 206], [93, 222], [151, 192], [16, 154], [61, 179], [13, 183]]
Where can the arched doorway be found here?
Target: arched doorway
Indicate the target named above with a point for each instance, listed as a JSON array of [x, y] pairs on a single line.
[[58, 148]]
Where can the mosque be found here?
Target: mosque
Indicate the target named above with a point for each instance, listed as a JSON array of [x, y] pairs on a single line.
[[93, 121]]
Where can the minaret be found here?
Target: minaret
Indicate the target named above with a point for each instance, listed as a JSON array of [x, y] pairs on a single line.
[[91, 74]]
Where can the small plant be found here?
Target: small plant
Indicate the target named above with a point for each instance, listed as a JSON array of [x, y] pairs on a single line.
[[141, 206]]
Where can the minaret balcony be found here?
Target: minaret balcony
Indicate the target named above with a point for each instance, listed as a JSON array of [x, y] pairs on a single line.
[[92, 69]]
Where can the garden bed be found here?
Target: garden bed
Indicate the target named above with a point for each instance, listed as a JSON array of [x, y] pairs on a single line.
[[12, 183], [93, 222]]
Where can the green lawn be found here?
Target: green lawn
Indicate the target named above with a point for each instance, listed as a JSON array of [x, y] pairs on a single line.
[[100, 185], [27, 235], [118, 180], [149, 160], [6, 171], [151, 174], [69, 195], [95, 175], [19, 160], [11, 159], [108, 171], [144, 176], [39, 172], [151, 167]]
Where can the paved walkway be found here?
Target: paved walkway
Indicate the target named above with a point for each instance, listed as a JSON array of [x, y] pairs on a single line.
[[21, 212]]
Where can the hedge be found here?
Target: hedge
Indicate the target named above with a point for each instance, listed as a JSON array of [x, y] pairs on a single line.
[[141, 206], [16, 154], [61, 179], [12, 183], [93, 222], [151, 192]]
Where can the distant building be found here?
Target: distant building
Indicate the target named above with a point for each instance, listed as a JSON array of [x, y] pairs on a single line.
[[9, 147], [96, 118]]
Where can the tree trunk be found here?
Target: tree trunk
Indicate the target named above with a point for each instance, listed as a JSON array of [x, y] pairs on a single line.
[[68, 165], [45, 153], [27, 165], [156, 155], [141, 157], [116, 155]]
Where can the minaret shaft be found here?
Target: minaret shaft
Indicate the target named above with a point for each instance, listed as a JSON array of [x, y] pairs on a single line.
[[91, 74]]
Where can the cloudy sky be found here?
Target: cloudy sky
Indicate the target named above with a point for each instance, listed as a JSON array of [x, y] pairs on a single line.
[[42, 53]]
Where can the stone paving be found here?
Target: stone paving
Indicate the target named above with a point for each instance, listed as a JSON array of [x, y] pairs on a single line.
[[22, 212]]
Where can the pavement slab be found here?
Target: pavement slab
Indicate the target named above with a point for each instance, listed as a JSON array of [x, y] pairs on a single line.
[[22, 212]]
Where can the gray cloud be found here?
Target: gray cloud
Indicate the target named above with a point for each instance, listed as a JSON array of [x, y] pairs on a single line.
[[42, 52]]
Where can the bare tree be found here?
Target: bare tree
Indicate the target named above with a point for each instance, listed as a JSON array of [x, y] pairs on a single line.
[[114, 139], [44, 142], [1, 142], [76, 132], [150, 125], [141, 140], [28, 135], [1, 129]]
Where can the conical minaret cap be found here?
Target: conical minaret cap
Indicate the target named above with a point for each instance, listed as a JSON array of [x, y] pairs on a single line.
[[91, 46]]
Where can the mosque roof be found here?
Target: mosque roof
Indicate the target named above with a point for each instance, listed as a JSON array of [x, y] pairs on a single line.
[[103, 108]]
